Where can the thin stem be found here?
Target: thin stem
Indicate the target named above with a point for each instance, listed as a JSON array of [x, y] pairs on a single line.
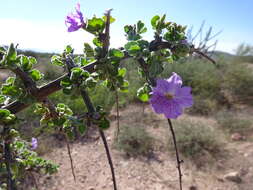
[[143, 108], [34, 180], [177, 154], [91, 110], [109, 158], [117, 108], [11, 185], [70, 158]]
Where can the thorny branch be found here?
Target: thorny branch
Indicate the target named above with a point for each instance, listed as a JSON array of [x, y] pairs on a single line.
[[156, 45], [11, 185], [44, 91], [90, 106]]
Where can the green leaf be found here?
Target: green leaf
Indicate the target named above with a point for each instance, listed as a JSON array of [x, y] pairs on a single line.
[[57, 60], [124, 87], [91, 82], [81, 129], [143, 44], [122, 72], [75, 73], [2, 99], [66, 82], [10, 119], [10, 80], [10, 90], [140, 27], [97, 43], [69, 49], [116, 53], [25, 63], [88, 50], [36, 74], [67, 90], [104, 124], [132, 48], [11, 53], [112, 20], [59, 121], [163, 19], [143, 93], [32, 60], [95, 25], [127, 28], [154, 21], [4, 113], [144, 97], [2, 50]]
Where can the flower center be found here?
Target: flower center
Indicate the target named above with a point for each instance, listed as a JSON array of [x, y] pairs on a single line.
[[169, 96]]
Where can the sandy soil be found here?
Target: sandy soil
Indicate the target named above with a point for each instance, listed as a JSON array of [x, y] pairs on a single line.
[[157, 172]]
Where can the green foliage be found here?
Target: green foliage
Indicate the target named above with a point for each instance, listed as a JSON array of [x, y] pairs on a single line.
[[26, 161], [134, 141], [57, 60], [232, 123], [196, 138], [95, 25], [203, 106], [144, 93], [36, 74], [238, 78], [62, 120], [6, 118]]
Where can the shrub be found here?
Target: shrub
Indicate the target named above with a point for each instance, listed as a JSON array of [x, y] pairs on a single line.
[[232, 123], [203, 106], [195, 138], [238, 80], [134, 141]]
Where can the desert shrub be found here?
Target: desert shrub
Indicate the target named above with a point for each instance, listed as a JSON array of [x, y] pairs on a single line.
[[238, 80], [135, 82], [50, 71], [134, 141], [203, 106], [232, 123], [195, 138]]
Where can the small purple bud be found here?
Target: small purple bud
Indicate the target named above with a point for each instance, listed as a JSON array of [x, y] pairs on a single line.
[[184, 42], [96, 115], [34, 143]]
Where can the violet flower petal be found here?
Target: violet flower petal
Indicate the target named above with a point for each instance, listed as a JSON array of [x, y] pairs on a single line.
[[170, 98]]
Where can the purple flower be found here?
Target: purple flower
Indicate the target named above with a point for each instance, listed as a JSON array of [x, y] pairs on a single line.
[[34, 143], [170, 98], [75, 21]]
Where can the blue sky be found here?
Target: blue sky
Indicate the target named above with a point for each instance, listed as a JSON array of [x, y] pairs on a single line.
[[39, 25]]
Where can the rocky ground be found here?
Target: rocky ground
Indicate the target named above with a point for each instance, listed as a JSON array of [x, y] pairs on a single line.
[[156, 172]]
